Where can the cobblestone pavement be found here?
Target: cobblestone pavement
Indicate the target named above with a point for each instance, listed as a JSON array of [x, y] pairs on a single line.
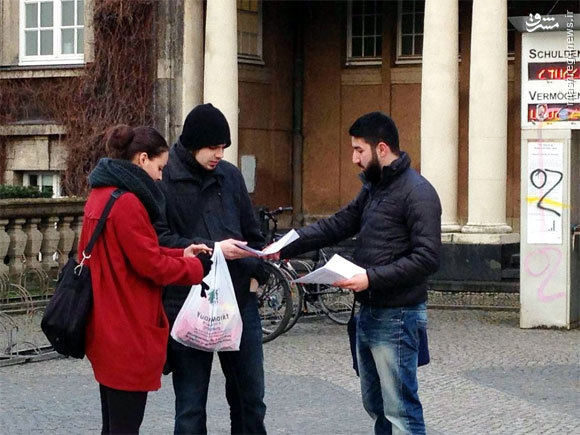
[[487, 376]]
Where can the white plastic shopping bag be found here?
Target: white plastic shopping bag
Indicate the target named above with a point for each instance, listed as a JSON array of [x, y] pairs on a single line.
[[211, 323]]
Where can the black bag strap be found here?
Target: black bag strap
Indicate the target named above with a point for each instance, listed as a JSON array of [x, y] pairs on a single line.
[[114, 196], [353, 307]]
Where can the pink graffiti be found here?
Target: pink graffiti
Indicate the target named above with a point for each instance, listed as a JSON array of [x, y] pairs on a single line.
[[544, 253]]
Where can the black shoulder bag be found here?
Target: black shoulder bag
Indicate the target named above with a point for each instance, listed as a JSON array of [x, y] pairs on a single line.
[[65, 318]]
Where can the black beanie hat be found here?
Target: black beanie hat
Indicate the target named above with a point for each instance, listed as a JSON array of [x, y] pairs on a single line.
[[205, 126]]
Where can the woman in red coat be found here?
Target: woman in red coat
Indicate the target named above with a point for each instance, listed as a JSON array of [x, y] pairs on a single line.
[[127, 333]]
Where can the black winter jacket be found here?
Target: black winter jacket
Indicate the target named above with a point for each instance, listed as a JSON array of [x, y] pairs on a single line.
[[398, 222], [204, 207]]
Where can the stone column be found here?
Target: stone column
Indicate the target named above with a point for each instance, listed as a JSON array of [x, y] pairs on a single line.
[[440, 104], [77, 227], [17, 244], [220, 85], [50, 239], [192, 74], [66, 241], [33, 242], [488, 81]]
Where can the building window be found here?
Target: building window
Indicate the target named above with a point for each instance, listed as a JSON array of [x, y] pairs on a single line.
[[44, 181], [250, 31], [364, 32], [51, 32], [410, 30]]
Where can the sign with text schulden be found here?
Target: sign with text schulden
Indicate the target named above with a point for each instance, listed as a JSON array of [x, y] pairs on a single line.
[[551, 80]]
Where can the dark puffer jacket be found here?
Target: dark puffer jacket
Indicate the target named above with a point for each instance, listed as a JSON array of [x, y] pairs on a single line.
[[398, 222], [204, 207]]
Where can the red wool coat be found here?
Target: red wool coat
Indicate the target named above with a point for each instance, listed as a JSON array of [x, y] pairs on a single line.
[[126, 338]]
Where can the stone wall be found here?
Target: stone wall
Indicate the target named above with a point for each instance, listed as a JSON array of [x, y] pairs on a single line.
[[33, 147]]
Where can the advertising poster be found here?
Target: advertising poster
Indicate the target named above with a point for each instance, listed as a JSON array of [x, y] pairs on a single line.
[[551, 79], [544, 200]]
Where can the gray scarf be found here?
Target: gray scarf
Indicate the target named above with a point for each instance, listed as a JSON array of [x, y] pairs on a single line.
[[130, 177]]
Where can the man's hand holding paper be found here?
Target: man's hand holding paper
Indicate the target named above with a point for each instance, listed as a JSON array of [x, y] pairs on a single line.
[[357, 283], [337, 271]]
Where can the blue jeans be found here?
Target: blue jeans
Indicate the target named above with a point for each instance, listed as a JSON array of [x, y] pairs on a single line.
[[244, 373], [387, 345]]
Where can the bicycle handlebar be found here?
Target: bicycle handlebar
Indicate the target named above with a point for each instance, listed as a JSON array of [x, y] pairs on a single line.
[[271, 216], [277, 211]]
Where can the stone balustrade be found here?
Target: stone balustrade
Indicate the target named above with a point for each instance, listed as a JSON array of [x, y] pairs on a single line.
[[32, 231]]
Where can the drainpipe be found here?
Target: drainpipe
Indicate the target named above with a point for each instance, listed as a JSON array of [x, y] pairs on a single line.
[[297, 138]]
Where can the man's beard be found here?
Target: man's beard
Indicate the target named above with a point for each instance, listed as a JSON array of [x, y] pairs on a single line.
[[374, 170]]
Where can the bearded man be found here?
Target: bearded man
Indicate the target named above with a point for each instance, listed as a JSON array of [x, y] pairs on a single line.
[[397, 216]]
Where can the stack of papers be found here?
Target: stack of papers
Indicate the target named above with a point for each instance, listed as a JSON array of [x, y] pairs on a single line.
[[288, 238], [337, 268]]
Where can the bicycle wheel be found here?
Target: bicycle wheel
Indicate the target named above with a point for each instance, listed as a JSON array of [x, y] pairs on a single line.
[[297, 293], [336, 303], [274, 303]]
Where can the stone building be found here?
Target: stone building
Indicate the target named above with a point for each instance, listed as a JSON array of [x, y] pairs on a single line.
[[291, 76]]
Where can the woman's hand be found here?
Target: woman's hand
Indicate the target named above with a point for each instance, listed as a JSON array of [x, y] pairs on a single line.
[[193, 249]]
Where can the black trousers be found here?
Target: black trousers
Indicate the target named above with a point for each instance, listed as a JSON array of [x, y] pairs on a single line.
[[123, 411]]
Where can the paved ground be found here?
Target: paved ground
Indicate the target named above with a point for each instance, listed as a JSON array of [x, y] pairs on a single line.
[[487, 376]]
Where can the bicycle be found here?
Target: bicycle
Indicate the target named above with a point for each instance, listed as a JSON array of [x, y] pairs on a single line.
[[335, 302], [274, 298]]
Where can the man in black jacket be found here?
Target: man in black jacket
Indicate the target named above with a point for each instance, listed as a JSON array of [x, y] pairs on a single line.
[[397, 215], [206, 202]]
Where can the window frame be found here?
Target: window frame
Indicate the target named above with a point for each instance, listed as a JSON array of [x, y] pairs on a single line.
[[361, 60], [57, 58], [259, 58], [56, 192], [404, 58], [416, 59]]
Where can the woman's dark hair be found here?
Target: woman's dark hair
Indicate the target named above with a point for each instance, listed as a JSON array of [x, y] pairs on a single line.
[[377, 127], [123, 142]]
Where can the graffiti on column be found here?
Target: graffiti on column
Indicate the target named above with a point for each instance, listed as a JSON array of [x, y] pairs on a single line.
[[539, 178], [543, 263]]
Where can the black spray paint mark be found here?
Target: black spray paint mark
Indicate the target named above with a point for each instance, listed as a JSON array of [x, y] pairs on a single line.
[[542, 182]]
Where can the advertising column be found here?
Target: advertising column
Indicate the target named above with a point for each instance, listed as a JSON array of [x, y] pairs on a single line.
[[550, 177]]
